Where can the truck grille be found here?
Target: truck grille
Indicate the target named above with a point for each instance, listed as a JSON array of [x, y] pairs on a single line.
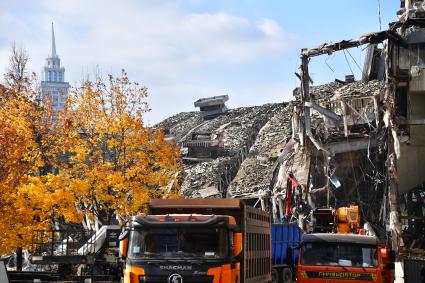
[[186, 279]]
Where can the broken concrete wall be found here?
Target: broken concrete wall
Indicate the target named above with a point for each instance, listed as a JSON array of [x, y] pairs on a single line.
[[407, 125], [411, 162]]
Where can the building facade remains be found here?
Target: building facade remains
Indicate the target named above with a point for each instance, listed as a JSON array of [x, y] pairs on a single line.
[[344, 143]]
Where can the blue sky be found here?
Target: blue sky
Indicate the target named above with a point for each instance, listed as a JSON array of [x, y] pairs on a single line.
[[184, 50]]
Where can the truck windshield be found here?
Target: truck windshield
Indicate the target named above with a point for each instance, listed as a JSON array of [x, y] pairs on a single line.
[[206, 243], [339, 254]]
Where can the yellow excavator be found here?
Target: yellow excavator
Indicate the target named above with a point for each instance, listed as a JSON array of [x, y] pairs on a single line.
[[347, 219], [343, 220]]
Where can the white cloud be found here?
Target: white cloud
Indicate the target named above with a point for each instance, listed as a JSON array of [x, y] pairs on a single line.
[[270, 27], [158, 42]]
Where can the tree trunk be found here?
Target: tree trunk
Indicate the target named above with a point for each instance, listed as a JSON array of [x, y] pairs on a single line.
[[19, 259]]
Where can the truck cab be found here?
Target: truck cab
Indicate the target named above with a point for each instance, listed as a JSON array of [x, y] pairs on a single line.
[[193, 247], [197, 241], [342, 258]]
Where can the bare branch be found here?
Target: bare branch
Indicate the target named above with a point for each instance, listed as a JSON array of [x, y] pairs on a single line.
[[16, 74]]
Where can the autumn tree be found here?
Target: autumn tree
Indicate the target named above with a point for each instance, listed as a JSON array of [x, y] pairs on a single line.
[[17, 157], [19, 161], [25, 130], [95, 163], [112, 164]]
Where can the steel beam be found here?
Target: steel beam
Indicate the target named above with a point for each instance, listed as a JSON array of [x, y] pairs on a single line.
[[328, 113], [348, 146]]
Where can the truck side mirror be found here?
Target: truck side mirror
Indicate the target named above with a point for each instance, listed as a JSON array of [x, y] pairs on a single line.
[[239, 257], [237, 243], [290, 253], [123, 244]]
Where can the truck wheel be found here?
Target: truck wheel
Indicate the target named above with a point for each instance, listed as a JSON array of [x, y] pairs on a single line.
[[286, 275], [275, 275]]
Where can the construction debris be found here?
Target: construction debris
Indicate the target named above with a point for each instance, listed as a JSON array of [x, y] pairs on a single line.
[[211, 107], [179, 125], [209, 175], [256, 172]]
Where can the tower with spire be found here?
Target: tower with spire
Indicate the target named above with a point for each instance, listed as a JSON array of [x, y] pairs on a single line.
[[53, 79]]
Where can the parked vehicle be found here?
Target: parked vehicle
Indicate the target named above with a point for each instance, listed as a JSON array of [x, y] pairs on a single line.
[[198, 240], [332, 257], [285, 241], [76, 255]]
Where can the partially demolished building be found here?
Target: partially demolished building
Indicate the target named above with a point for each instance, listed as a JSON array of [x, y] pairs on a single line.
[[366, 140], [342, 143]]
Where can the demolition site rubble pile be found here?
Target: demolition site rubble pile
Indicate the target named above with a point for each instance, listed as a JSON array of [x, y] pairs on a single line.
[[254, 138], [337, 90], [179, 124], [324, 91], [359, 89], [256, 171], [206, 179], [210, 177]]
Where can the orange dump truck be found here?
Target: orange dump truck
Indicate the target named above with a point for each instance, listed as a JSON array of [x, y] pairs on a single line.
[[198, 240], [335, 258]]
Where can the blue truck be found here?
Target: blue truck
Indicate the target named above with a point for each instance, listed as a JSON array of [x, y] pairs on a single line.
[[284, 257]]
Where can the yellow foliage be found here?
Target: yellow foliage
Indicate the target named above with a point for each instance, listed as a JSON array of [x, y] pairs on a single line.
[[20, 158], [121, 162], [97, 160]]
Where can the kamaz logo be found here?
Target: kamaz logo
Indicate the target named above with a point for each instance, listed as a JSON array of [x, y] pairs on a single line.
[[175, 267]]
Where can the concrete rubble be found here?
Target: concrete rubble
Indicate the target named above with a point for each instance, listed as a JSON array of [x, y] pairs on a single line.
[[179, 124], [337, 90], [240, 126], [255, 173], [254, 138]]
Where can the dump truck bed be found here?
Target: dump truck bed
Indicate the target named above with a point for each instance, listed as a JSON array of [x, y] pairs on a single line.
[[284, 238]]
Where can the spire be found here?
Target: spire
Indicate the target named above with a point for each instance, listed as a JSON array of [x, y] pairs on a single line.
[[53, 43]]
